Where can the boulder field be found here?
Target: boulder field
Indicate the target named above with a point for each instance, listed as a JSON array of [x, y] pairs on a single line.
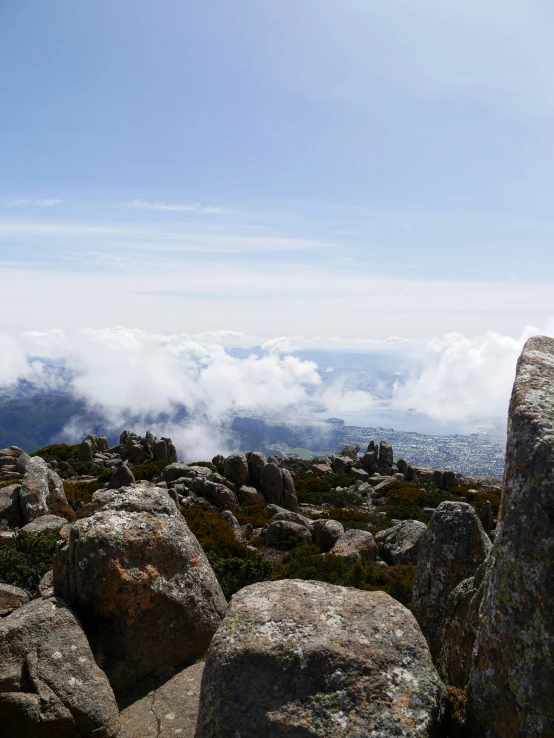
[[133, 627]]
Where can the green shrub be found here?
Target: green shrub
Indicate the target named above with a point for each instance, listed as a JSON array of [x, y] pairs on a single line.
[[350, 518], [24, 564], [404, 501], [321, 490], [479, 499], [307, 562], [256, 515], [8, 482], [207, 464], [234, 574], [58, 452], [83, 491], [215, 535], [148, 470]]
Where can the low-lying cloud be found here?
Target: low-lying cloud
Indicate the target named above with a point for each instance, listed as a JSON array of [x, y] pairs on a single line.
[[125, 373]]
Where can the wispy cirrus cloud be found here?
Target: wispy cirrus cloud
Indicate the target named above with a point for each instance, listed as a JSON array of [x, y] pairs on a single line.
[[195, 207], [24, 202]]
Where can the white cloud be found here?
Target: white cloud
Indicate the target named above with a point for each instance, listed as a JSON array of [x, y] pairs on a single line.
[[464, 379], [123, 372], [195, 207], [44, 203]]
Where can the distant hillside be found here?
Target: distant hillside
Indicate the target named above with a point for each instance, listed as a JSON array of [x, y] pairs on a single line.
[[33, 422]]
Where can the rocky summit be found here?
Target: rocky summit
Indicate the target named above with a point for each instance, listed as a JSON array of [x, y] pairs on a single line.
[[354, 595]]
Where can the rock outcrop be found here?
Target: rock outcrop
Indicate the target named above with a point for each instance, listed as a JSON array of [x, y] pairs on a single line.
[[278, 487], [452, 549], [141, 584], [299, 658], [359, 544], [326, 533], [401, 543], [10, 508], [236, 470], [40, 489], [511, 687], [50, 684]]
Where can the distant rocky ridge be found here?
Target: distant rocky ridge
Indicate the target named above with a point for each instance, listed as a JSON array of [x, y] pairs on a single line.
[[134, 597]]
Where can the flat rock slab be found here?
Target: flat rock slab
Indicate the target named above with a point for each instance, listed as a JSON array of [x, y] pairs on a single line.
[[169, 710]]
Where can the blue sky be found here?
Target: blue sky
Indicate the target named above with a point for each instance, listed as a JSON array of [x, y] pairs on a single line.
[[345, 168]]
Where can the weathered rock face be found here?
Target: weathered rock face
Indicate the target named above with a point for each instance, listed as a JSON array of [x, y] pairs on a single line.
[[511, 688], [11, 598], [236, 470], [278, 487], [326, 533], [10, 509], [141, 584], [452, 549], [459, 628], [169, 710], [401, 543], [357, 543], [50, 684], [39, 483], [299, 658]]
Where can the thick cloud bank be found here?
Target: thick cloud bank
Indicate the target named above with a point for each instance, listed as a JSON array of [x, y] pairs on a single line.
[[129, 373]]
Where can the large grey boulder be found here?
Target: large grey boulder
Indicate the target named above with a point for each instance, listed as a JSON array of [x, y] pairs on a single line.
[[511, 687], [121, 477], [86, 450], [401, 543], [143, 585], [452, 549], [278, 487], [287, 534], [44, 523], [292, 517], [326, 533], [10, 508], [219, 494], [386, 453], [256, 462], [175, 471], [39, 486], [358, 544], [235, 470], [250, 496], [369, 460], [301, 658], [50, 684], [159, 450]]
